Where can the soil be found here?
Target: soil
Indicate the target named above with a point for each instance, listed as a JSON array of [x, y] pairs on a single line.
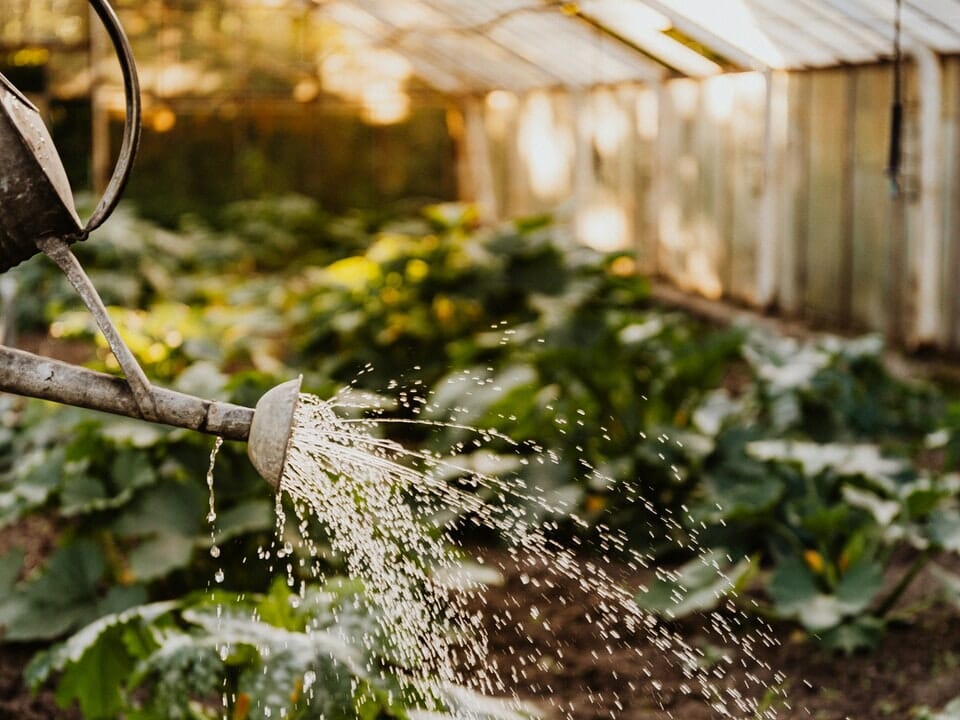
[[35, 535], [916, 666]]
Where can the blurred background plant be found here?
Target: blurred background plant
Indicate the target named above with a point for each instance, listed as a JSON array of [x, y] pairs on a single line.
[[790, 466]]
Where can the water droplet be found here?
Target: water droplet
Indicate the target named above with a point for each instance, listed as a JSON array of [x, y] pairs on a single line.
[[359, 486]]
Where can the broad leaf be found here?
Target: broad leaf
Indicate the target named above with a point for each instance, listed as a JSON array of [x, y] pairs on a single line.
[[94, 663], [791, 585], [944, 530], [248, 517], [11, 563], [859, 633], [858, 586], [160, 555], [697, 586], [65, 595]]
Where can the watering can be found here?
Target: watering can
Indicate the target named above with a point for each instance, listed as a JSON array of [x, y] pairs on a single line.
[[37, 214]]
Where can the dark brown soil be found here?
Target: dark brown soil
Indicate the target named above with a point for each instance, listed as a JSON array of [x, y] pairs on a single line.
[[35, 536], [917, 665]]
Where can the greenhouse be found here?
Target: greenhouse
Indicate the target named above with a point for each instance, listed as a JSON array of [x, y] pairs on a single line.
[[599, 358]]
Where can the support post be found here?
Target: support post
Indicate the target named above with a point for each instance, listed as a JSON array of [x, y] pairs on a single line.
[[929, 248]]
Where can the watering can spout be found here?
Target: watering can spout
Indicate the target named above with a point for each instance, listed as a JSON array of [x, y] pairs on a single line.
[[271, 429], [266, 429]]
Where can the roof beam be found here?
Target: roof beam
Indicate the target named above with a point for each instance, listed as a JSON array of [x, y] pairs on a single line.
[[707, 37]]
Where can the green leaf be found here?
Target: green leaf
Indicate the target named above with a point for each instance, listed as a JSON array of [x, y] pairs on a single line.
[[32, 481], [697, 586], [81, 493], [749, 493], [858, 586], [470, 395], [132, 469], [11, 563], [63, 596], [95, 663], [134, 433], [860, 633], [75, 647], [96, 679], [791, 585], [884, 511], [845, 460], [944, 530], [247, 517], [464, 702], [820, 613], [166, 508], [796, 594], [160, 555], [202, 379]]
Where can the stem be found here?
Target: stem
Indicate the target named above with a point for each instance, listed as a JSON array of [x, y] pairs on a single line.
[[891, 599]]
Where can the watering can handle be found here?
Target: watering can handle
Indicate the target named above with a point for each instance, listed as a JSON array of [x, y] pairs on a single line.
[[131, 125]]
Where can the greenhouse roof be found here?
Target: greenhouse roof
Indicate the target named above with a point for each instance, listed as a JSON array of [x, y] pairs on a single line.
[[462, 46]]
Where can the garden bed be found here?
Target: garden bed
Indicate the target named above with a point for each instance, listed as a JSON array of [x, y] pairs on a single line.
[[816, 473], [916, 667]]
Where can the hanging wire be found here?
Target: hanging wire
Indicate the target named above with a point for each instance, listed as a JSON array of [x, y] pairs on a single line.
[[896, 111]]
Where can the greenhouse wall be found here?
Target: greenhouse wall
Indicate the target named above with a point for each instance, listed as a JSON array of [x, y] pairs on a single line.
[[210, 158], [779, 201]]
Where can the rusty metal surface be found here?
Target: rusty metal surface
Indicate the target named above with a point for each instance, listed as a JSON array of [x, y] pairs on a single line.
[[271, 430], [35, 376], [35, 199]]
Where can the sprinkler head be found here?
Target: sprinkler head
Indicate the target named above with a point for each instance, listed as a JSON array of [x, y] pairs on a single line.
[[271, 429]]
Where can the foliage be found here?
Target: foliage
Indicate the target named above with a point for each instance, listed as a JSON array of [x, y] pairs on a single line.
[[951, 711], [755, 465], [809, 470], [316, 654], [504, 329]]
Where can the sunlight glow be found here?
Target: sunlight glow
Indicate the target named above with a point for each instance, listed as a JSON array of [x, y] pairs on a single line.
[[702, 275], [648, 114], [610, 124], [685, 94], [546, 147], [373, 78], [735, 22], [602, 224], [645, 27]]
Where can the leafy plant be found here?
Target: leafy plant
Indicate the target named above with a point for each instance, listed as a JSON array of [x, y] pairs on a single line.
[[789, 478], [316, 654], [794, 455]]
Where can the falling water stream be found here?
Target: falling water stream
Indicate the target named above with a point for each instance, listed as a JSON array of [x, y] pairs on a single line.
[[388, 512]]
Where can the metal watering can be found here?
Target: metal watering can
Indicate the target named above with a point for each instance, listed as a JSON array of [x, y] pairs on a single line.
[[37, 214]]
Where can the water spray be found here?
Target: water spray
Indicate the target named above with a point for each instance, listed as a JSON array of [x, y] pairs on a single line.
[[37, 214]]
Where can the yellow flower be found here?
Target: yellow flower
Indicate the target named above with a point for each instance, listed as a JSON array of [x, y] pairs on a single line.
[[814, 560], [417, 270], [354, 273], [444, 309], [594, 503], [242, 707]]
